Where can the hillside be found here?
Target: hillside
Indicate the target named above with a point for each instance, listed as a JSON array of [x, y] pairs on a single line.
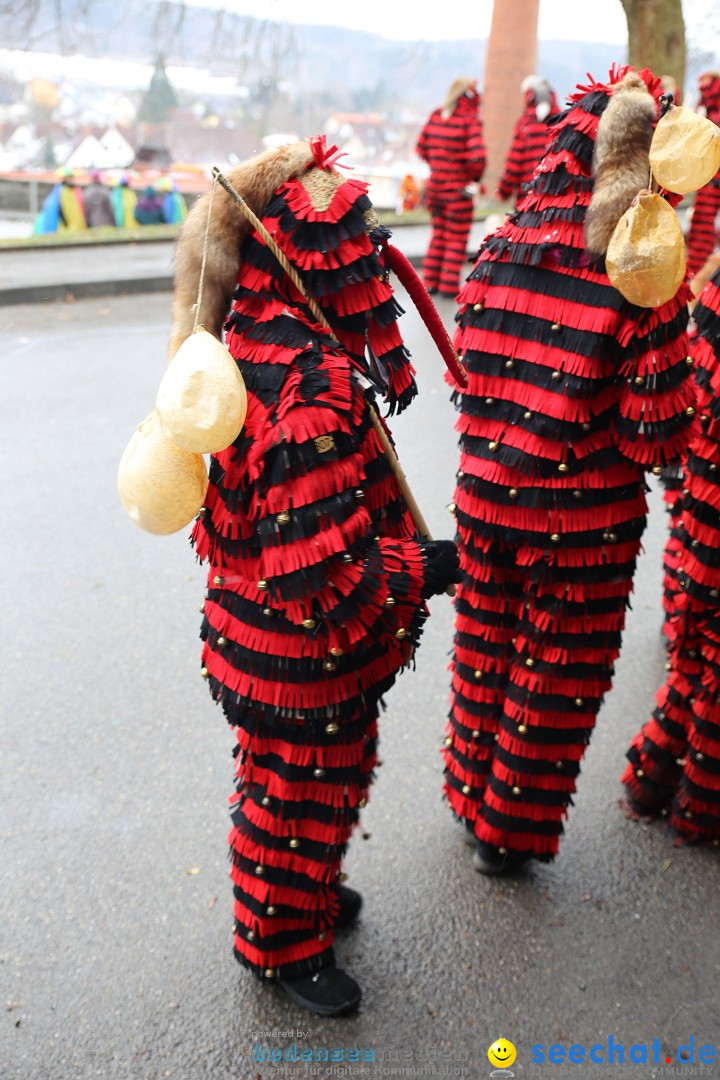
[[344, 69]]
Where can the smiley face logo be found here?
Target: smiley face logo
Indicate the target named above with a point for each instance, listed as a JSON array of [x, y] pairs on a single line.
[[502, 1053]]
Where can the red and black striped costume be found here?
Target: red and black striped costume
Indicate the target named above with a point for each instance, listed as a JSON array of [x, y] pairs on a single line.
[[675, 760], [702, 235], [314, 588], [529, 142], [573, 393], [452, 145]]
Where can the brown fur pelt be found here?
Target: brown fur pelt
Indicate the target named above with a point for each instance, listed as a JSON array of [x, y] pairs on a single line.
[[255, 180], [456, 91], [621, 165]]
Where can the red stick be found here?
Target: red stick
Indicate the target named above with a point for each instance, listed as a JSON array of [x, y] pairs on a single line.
[[407, 277]]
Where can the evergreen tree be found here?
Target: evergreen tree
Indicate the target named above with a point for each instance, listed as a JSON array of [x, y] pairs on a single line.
[[160, 98]]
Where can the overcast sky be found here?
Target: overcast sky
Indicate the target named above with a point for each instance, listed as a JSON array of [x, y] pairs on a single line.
[[573, 20]]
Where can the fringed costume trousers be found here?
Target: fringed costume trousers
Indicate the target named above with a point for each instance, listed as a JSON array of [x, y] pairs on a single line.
[[537, 634], [301, 782], [675, 759], [448, 249]]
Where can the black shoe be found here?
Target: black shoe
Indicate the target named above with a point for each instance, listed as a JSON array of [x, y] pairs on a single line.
[[329, 992], [648, 807], [491, 860], [350, 904]]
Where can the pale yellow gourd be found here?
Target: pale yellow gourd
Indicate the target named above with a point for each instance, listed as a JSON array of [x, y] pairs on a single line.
[[162, 486], [645, 259], [202, 402], [685, 151]]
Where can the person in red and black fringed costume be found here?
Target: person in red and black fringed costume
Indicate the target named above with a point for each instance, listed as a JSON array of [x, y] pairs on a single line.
[[701, 241], [701, 238], [573, 393], [530, 137], [673, 484], [675, 759], [452, 144], [316, 584]]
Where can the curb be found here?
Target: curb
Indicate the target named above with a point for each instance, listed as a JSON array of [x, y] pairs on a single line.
[[79, 290]]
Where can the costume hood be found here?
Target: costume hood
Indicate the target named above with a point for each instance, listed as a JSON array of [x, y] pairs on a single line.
[[593, 169]]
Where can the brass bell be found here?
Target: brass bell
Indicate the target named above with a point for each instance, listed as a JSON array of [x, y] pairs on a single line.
[[262, 584], [555, 538], [401, 633], [556, 326], [330, 665], [527, 415], [283, 518], [390, 601], [218, 580], [294, 843], [272, 910], [259, 870], [639, 380], [562, 467], [336, 651], [309, 624], [362, 803], [513, 493], [479, 674], [269, 973], [516, 791], [319, 773], [493, 445], [478, 306], [522, 729], [221, 641], [332, 729], [205, 673], [556, 376], [529, 662], [250, 935], [466, 789]]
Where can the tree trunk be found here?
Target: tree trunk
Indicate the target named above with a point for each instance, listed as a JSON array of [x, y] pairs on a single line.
[[511, 56], [656, 36]]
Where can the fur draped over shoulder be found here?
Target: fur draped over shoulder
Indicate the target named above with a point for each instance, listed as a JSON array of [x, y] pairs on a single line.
[[256, 180], [621, 165]]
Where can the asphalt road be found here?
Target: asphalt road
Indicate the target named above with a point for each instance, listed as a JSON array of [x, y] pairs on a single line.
[[115, 912]]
